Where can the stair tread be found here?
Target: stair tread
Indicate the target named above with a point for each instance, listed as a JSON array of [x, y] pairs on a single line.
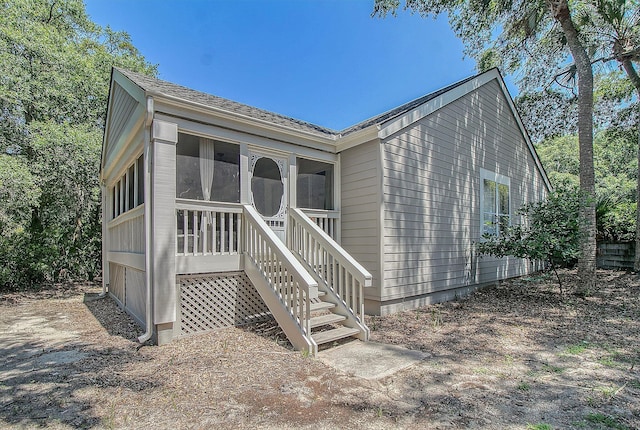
[[319, 306], [326, 319], [335, 334]]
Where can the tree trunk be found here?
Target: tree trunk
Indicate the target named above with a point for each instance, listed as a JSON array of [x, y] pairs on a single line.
[[626, 62], [587, 260]]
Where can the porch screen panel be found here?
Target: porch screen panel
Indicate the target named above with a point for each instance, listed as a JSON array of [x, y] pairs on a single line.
[[314, 185], [267, 187], [199, 161]]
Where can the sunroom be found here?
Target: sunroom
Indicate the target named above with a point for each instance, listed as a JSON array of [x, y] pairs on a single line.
[[210, 224]]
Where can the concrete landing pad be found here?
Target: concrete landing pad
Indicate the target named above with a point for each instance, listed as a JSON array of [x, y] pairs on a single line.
[[370, 360]]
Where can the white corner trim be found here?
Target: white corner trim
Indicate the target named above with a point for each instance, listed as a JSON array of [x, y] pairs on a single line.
[[441, 101]]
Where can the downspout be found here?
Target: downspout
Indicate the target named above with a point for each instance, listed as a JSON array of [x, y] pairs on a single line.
[[148, 260]]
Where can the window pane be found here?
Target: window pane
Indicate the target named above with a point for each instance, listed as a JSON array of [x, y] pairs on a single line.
[[489, 196], [503, 208], [489, 207], [503, 193], [114, 201], [130, 188], [141, 179], [314, 185]]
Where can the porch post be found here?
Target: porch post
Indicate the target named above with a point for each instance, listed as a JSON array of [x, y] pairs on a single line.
[[163, 187]]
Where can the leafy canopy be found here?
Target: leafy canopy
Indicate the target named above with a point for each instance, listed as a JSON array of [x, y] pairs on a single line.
[[55, 67]]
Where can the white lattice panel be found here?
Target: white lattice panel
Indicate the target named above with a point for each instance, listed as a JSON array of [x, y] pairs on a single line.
[[209, 301]]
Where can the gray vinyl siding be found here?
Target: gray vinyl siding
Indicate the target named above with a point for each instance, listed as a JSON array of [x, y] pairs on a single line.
[[122, 110], [360, 208], [431, 192]]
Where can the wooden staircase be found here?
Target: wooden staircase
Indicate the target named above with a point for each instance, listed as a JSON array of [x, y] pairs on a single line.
[[313, 287], [326, 325]]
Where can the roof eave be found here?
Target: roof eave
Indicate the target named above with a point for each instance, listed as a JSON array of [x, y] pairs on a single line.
[[358, 137], [328, 142]]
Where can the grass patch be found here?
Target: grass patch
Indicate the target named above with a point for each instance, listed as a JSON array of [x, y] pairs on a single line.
[[524, 386], [552, 369], [539, 426], [577, 349], [611, 361], [606, 420]]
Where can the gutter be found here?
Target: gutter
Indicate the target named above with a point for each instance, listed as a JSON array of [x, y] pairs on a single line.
[[148, 261]]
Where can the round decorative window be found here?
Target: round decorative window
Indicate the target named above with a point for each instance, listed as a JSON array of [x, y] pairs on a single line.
[[267, 187]]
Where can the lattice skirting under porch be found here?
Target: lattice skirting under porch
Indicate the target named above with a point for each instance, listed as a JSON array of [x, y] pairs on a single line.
[[210, 301]]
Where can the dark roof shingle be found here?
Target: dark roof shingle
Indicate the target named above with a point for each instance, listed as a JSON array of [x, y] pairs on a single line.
[[158, 86]]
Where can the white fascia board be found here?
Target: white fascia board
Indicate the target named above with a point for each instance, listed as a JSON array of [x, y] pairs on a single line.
[[249, 124], [129, 86], [134, 91], [436, 103], [358, 137]]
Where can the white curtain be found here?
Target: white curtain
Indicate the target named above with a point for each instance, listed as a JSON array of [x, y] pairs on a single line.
[[207, 160], [207, 154]]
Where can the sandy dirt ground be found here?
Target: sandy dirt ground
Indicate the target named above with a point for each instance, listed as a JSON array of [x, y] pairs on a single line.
[[517, 355]]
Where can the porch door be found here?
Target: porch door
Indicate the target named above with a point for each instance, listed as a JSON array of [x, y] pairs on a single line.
[[268, 176]]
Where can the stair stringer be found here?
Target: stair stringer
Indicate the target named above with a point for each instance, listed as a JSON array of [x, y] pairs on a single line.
[[340, 308], [294, 332]]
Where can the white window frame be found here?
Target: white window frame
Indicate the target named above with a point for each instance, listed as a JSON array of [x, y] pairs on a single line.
[[499, 180]]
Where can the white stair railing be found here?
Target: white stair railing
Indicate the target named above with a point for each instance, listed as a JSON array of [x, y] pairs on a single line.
[[338, 271], [283, 283]]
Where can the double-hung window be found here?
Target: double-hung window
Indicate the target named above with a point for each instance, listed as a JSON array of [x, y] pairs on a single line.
[[495, 203]]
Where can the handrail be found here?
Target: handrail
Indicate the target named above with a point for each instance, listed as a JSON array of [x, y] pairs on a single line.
[[321, 213], [208, 205], [286, 276], [338, 270], [327, 220]]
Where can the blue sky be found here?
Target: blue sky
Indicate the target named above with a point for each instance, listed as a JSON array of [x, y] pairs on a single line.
[[327, 62]]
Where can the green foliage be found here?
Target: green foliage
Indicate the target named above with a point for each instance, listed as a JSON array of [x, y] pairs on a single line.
[[55, 68], [615, 174], [18, 194], [550, 231], [606, 420]]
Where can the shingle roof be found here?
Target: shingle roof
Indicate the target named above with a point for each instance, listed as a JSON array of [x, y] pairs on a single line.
[[158, 86]]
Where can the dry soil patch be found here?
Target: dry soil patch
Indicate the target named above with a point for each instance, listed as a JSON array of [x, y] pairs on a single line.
[[514, 355]]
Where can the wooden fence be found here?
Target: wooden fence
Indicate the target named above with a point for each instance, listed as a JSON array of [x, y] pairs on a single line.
[[616, 255]]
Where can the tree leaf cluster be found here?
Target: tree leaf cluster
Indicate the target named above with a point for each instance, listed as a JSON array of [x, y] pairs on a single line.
[[615, 173], [55, 67]]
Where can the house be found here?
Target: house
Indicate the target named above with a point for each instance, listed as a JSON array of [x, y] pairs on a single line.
[[218, 213]]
